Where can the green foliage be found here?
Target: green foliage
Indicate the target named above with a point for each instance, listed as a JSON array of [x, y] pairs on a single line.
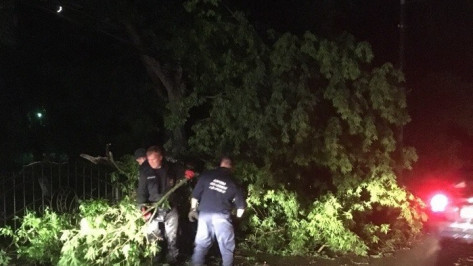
[[314, 115], [300, 101], [126, 178], [273, 216], [101, 234], [382, 213], [312, 122], [279, 225], [38, 237], [376, 216], [4, 258], [326, 224], [108, 234]]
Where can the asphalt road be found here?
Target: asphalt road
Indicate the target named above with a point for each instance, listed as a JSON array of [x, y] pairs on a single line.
[[427, 252], [424, 253], [430, 252]]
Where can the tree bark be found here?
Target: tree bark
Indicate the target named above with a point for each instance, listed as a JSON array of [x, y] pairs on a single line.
[[169, 86]]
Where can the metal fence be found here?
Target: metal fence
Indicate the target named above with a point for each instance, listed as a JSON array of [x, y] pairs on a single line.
[[57, 186]]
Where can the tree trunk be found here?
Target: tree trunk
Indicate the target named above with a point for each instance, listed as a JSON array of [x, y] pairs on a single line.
[[169, 86]]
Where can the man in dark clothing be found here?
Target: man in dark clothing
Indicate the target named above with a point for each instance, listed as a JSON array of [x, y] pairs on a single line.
[[216, 194], [154, 181], [140, 156]]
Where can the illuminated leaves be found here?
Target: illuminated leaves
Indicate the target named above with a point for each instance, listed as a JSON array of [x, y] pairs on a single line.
[[38, 237], [293, 109], [324, 223], [281, 226], [308, 101], [102, 234], [4, 258], [108, 234], [275, 215]]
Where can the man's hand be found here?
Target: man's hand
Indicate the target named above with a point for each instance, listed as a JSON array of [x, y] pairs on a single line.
[[146, 213], [240, 212], [189, 174], [193, 215]]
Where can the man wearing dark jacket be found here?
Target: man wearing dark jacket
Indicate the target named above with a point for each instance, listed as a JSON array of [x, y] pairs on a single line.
[[140, 156], [154, 181], [216, 193]]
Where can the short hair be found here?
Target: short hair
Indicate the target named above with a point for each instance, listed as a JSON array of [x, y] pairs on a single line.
[[155, 148], [139, 153], [226, 159]]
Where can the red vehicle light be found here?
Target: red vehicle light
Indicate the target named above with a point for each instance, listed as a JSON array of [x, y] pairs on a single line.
[[438, 203]]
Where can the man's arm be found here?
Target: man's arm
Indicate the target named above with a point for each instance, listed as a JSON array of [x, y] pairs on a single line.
[[142, 193], [240, 202], [199, 188], [193, 214], [196, 194]]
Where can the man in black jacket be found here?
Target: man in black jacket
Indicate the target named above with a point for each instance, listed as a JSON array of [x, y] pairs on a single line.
[[140, 156], [216, 193], [154, 181]]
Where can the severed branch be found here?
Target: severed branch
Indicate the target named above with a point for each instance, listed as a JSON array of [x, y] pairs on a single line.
[[108, 160], [189, 174], [96, 159]]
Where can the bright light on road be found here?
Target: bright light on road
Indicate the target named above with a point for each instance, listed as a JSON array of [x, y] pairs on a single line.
[[438, 203], [59, 9]]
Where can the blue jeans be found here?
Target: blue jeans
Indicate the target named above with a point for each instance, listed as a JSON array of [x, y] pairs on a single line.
[[213, 226]]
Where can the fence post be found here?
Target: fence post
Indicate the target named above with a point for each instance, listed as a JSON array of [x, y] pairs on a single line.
[[42, 190], [98, 177], [51, 181], [14, 200], [75, 178], [106, 189], [90, 183], [83, 183], [59, 176], [33, 184], [4, 204], [116, 193], [23, 192], [17, 186], [68, 171]]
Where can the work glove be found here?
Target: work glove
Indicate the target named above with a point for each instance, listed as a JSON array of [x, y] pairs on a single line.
[[189, 174], [239, 213], [193, 215], [146, 213]]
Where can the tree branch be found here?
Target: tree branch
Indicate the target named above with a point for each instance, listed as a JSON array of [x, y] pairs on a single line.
[[108, 160], [152, 65]]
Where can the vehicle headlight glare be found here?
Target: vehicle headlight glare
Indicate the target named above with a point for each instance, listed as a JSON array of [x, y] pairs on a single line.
[[438, 203]]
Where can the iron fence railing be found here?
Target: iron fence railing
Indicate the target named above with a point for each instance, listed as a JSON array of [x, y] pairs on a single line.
[[57, 186]]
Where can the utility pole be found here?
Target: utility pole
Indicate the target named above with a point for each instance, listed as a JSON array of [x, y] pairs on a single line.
[[402, 48], [402, 35]]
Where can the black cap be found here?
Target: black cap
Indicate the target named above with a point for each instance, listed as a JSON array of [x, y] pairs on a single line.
[[140, 153]]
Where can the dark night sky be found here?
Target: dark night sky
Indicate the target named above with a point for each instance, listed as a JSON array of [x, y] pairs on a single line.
[[439, 33], [53, 53]]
